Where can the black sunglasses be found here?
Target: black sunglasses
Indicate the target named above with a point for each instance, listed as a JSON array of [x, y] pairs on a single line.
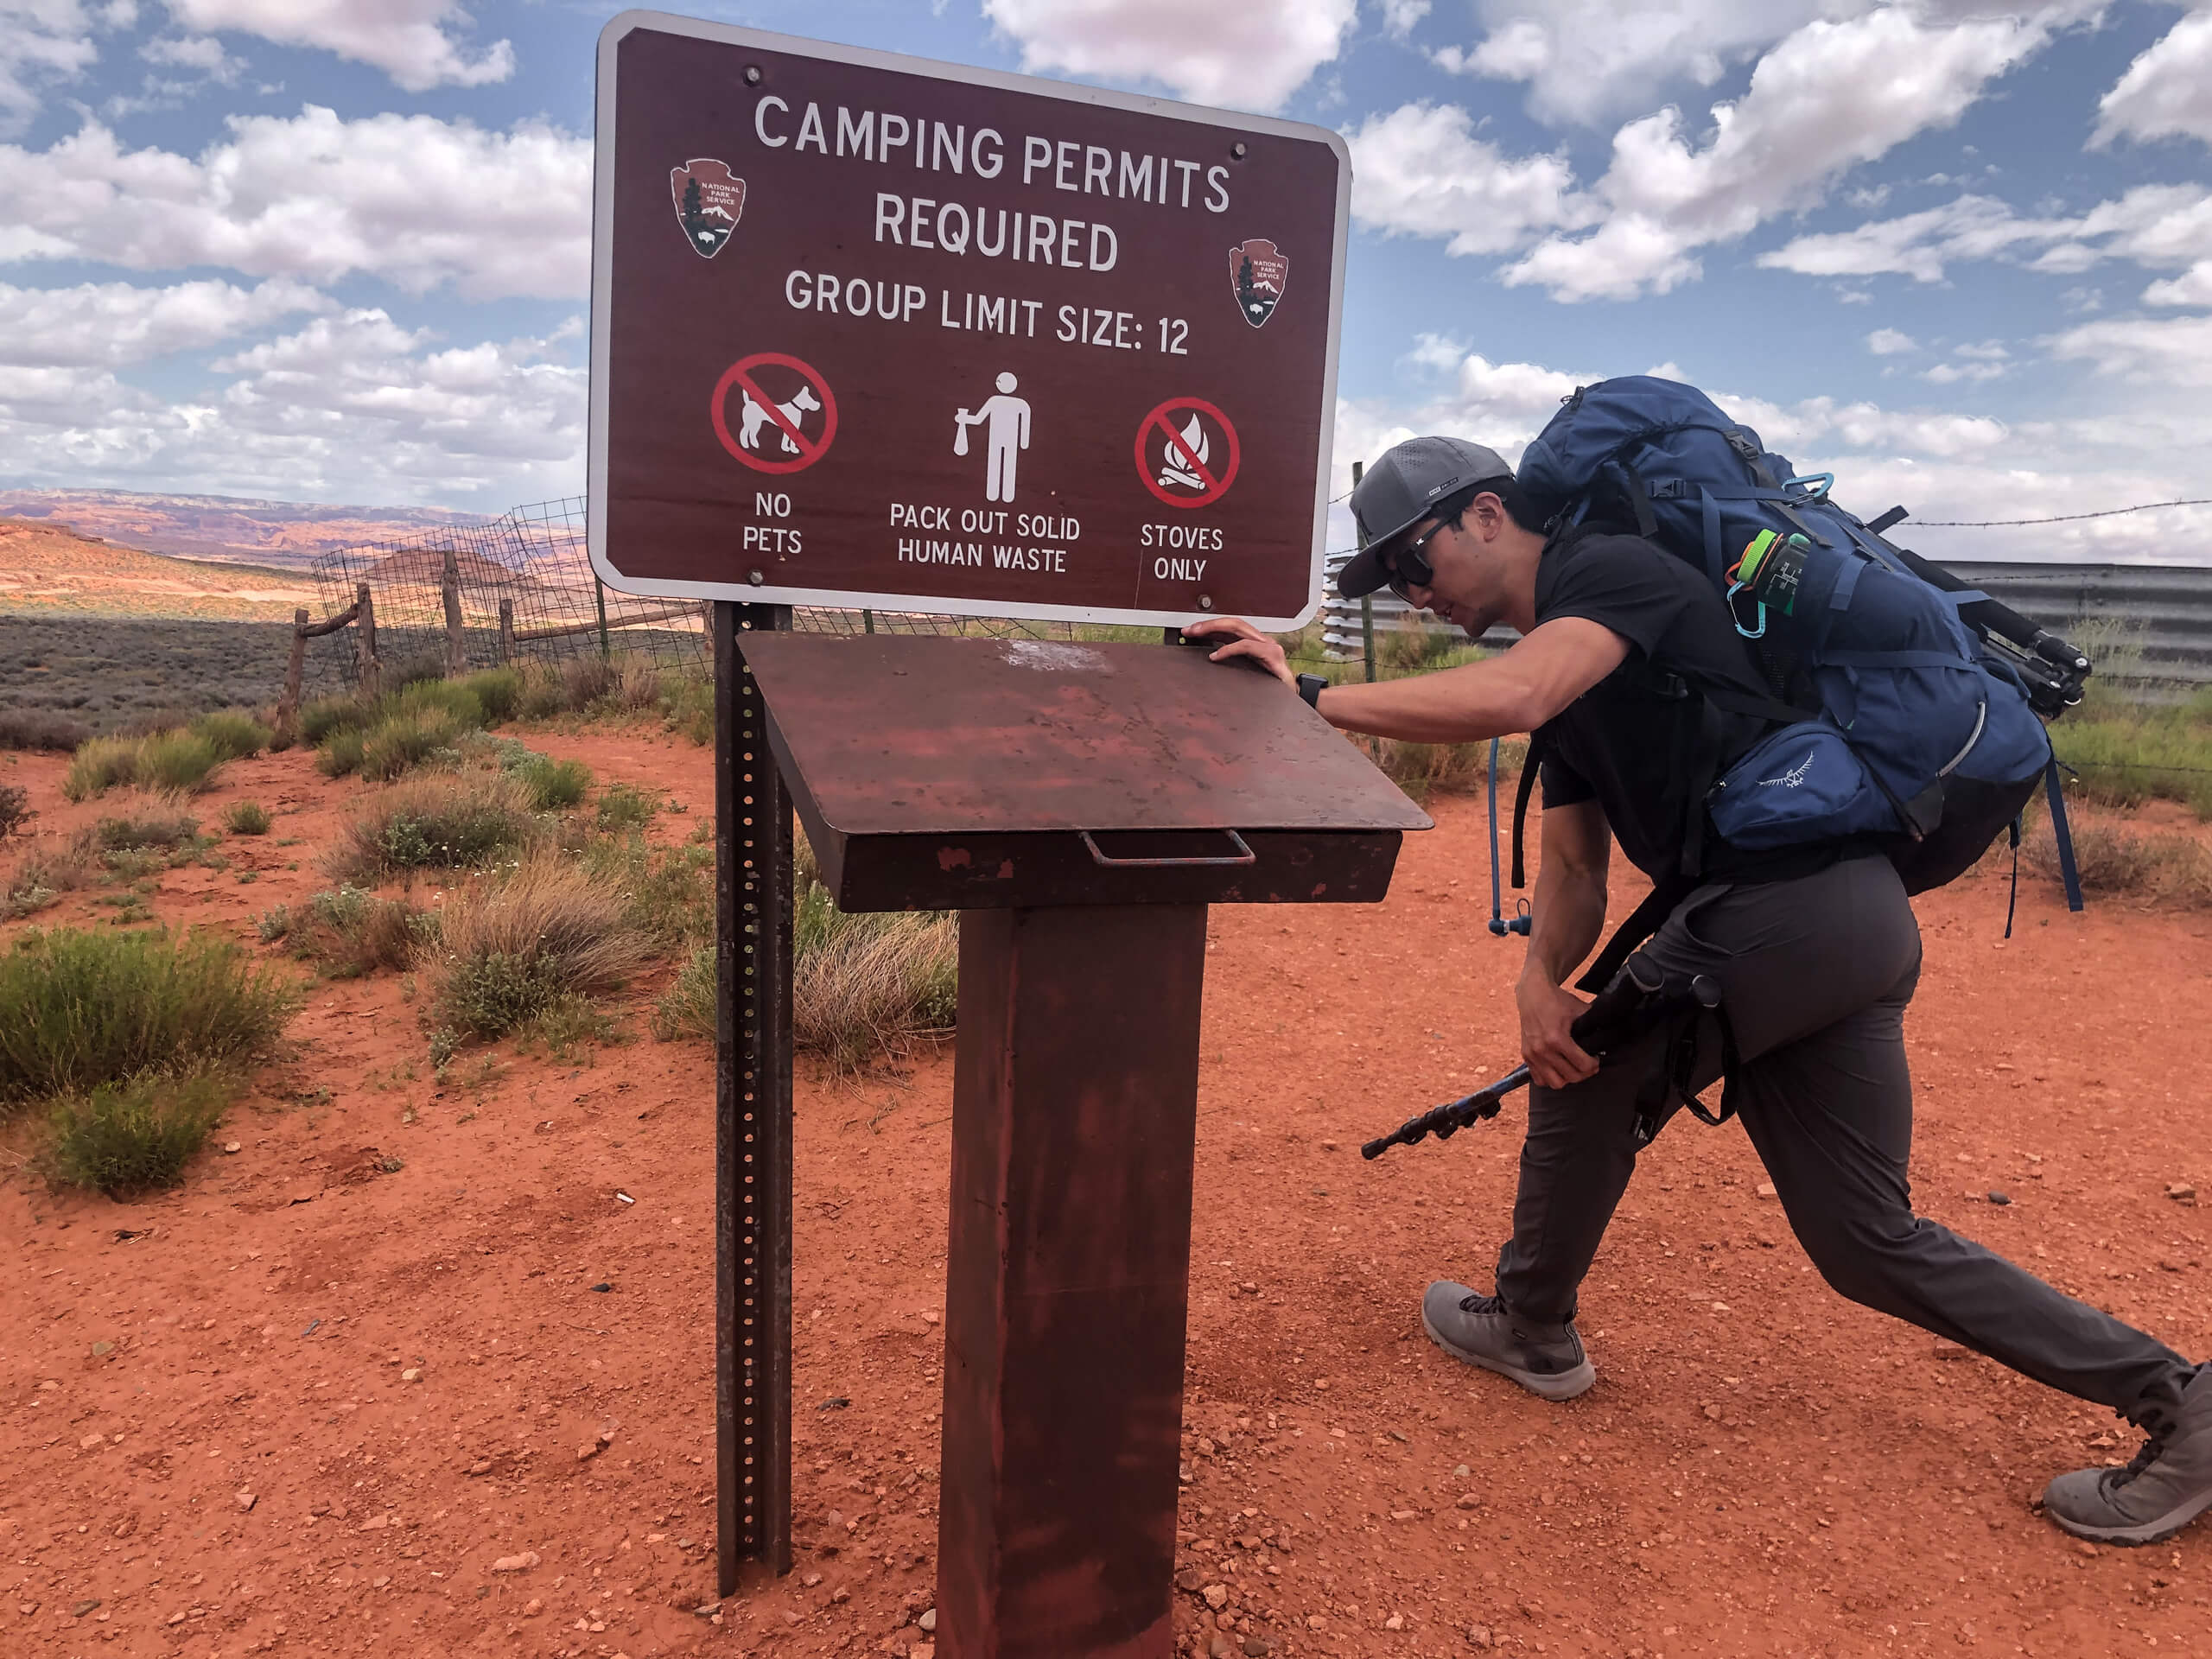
[[1409, 565]]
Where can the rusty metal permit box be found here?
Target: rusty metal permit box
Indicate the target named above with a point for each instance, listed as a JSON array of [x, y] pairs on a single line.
[[946, 773]]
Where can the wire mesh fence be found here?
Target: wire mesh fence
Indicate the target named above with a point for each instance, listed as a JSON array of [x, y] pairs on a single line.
[[519, 589]]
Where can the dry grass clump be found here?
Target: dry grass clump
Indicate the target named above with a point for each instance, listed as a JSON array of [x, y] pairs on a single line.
[[401, 741], [246, 819], [2167, 869], [513, 949], [41, 878], [15, 809], [439, 821], [866, 987], [348, 932]]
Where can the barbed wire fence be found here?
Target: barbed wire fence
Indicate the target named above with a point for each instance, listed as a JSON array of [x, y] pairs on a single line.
[[519, 589]]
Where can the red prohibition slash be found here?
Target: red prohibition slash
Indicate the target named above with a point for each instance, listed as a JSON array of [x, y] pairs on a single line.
[[739, 373], [1217, 486]]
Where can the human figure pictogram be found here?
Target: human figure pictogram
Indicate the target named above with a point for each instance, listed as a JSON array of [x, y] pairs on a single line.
[[1006, 418]]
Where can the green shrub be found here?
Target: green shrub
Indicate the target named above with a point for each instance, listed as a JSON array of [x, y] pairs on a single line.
[[498, 692], [544, 694], [514, 948], [442, 821], [554, 785], [413, 671], [41, 729], [687, 702], [2142, 754], [326, 716], [102, 764], [273, 924], [246, 819], [340, 753], [687, 1008], [232, 734], [133, 1135], [625, 807], [15, 809], [80, 1009], [150, 831], [668, 893], [349, 932], [178, 762], [403, 740], [452, 698]]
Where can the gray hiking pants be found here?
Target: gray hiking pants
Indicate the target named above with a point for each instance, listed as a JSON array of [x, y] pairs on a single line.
[[1815, 974]]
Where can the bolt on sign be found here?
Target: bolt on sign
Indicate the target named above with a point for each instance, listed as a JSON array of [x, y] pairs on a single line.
[[868, 330]]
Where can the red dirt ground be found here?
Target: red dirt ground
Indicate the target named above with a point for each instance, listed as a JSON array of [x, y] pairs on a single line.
[[1763, 1468]]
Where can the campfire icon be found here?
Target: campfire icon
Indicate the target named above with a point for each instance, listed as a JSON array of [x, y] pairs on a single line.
[[1183, 457]]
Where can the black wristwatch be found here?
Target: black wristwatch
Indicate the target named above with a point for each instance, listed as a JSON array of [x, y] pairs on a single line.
[[1309, 687]]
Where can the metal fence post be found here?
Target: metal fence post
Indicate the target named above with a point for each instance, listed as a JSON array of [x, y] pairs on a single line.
[[1366, 601], [364, 641], [753, 1114], [506, 631]]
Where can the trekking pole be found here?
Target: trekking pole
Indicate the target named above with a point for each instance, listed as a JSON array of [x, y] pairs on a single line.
[[1499, 927]]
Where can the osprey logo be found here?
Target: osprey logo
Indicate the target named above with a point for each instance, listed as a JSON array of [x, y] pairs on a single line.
[[708, 202], [1258, 271], [1795, 776]]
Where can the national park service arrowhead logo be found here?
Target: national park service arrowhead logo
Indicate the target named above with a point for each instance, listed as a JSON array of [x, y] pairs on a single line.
[[1258, 271], [708, 202]]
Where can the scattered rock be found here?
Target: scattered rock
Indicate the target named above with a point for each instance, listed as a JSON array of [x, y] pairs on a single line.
[[927, 1621], [1395, 1622], [1315, 1622], [1257, 1647], [532, 1608], [922, 1650], [1469, 1501], [1765, 1190], [412, 1373], [246, 1500], [602, 1286], [1218, 1647], [1216, 1596], [84, 1607], [102, 1349], [230, 1146], [597, 1444], [521, 1563], [481, 1466], [1946, 1349], [90, 1441], [2181, 1192], [1328, 1146], [1996, 1197], [1713, 1412], [1479, 1635], [1463, 1471], [2085, 1546]]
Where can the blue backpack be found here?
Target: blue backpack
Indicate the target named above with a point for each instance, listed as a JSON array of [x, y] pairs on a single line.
[[1905, 706]]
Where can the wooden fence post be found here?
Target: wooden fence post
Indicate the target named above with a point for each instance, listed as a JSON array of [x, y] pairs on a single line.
[[456, 642], [507, 631], [371, 675], [288, 709]]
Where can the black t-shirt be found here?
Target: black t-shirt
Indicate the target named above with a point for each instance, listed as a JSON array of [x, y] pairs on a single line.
[[1629, 740]]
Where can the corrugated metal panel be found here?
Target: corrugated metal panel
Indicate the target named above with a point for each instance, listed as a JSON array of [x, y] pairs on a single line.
[[2161, 613]]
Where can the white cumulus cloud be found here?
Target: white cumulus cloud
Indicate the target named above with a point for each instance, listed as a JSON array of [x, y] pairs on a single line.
[[1247, 54], [1400, 16], [352, 407], [112, 324], [2167, 92], [1889, 342], [2162, 351], [417, 200], [1420, 171], [41, 41], [414, 41], [1828, 98], [1585, 60]]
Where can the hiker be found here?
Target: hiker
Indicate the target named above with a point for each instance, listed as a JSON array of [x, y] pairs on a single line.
[[1815, 947]]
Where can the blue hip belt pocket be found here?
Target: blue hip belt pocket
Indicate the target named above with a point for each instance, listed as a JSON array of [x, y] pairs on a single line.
[[1801, 784]]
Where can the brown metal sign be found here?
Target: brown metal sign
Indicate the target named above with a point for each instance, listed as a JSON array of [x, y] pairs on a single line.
[[868, 330]]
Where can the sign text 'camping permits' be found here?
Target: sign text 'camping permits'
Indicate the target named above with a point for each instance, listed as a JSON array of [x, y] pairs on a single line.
[[968, 352]]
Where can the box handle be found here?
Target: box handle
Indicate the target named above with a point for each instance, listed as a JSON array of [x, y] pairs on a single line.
[[1244, 854]]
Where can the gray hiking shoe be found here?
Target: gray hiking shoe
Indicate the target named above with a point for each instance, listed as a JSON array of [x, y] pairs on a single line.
[[1545, 1359], [2167, 1486]]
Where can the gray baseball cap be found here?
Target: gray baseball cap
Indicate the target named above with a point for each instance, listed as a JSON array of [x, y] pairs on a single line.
[[1400, 489]]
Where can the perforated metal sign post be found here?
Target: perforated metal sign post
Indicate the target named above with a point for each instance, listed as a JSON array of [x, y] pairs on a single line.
[[871, 331]]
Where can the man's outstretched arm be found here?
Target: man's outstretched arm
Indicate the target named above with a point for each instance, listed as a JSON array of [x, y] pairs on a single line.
[[1516, 691]]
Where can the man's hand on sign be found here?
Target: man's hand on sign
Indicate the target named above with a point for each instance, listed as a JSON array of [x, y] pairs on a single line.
[[1242, 639], [1547, 1012]]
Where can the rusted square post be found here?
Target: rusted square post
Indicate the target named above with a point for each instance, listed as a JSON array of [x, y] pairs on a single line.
[[1075, 1110]]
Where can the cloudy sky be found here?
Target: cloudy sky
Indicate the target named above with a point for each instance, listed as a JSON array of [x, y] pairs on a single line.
[[1959, 252]]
